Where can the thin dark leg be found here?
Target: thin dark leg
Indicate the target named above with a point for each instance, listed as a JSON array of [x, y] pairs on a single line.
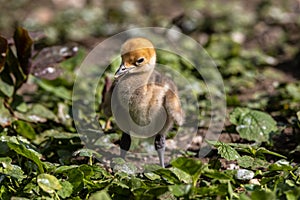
[[125, 144], [159, 144]]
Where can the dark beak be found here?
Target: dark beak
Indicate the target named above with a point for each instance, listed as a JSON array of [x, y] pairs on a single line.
[[121, 71]]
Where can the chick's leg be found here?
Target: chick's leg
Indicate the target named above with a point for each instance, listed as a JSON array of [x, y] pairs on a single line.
[[159, 144], [125, 144]]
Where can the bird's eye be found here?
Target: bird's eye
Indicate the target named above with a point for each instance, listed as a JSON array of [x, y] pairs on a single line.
[[140, 61]]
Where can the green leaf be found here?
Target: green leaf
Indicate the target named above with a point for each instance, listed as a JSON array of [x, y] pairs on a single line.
[[41, 111], [3, 52], [191, 166], [48, 183], [245, 161], [103, 195], [168, 175], [76, 178], [293, 90], [37, 113], [66, 189], [293, 194], [5, 194], [87, 153], [152, 176], [253, 125], [5, 117], [226, 151], [6, 84], [216, 174], [64, 168], [24, 129], [58, 91], [262, 150], [17, 145], [188, 165], [183, 176], [121, 166], [180, 190], [261, 194], [157, 190], [212, 190], [280, 165], [11, 170], [23, 44], [32, 187]]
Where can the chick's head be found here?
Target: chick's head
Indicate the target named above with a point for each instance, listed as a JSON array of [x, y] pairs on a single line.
[[138, 56]]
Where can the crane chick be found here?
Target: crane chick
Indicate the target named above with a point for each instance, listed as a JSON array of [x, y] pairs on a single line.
[[143, 101]]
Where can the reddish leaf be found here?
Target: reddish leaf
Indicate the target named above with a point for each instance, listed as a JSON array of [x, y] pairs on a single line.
[[23, 44], [46, 63], [14, 68]]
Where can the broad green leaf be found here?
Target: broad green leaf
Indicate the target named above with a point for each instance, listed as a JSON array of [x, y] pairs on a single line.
[[103, 195], [253, 125], [6, 84], [5, 117], [58, 91], [212, 190], [294, 90], [231, 192], [216, 174], [157, 191], [64, 168], [293, 194], [188, 165], [245, 161], [17, 145], [66, 189], [226, 151], [5, 194], [280, 165], [87, 170], [261, 194], [37, 113], [41, 111], [121, 166], [76, 178], [32, 187], [56, 134], [259, 163], [183, 176], [262, 150], [48, 183], [5, 161], [11, 170], [152, 176], [243, 196], [168, 175], [3, 52], [180, 190], [24, 129], [191, 166], [87, 153]]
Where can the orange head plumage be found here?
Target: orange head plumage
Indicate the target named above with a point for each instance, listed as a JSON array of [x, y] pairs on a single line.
[[138, 55]]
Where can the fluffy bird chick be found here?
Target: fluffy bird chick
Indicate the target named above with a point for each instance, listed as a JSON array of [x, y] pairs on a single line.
[[144, 102]]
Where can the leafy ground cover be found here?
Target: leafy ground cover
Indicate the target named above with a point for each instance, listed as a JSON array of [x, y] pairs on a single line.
[[256, 49]]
